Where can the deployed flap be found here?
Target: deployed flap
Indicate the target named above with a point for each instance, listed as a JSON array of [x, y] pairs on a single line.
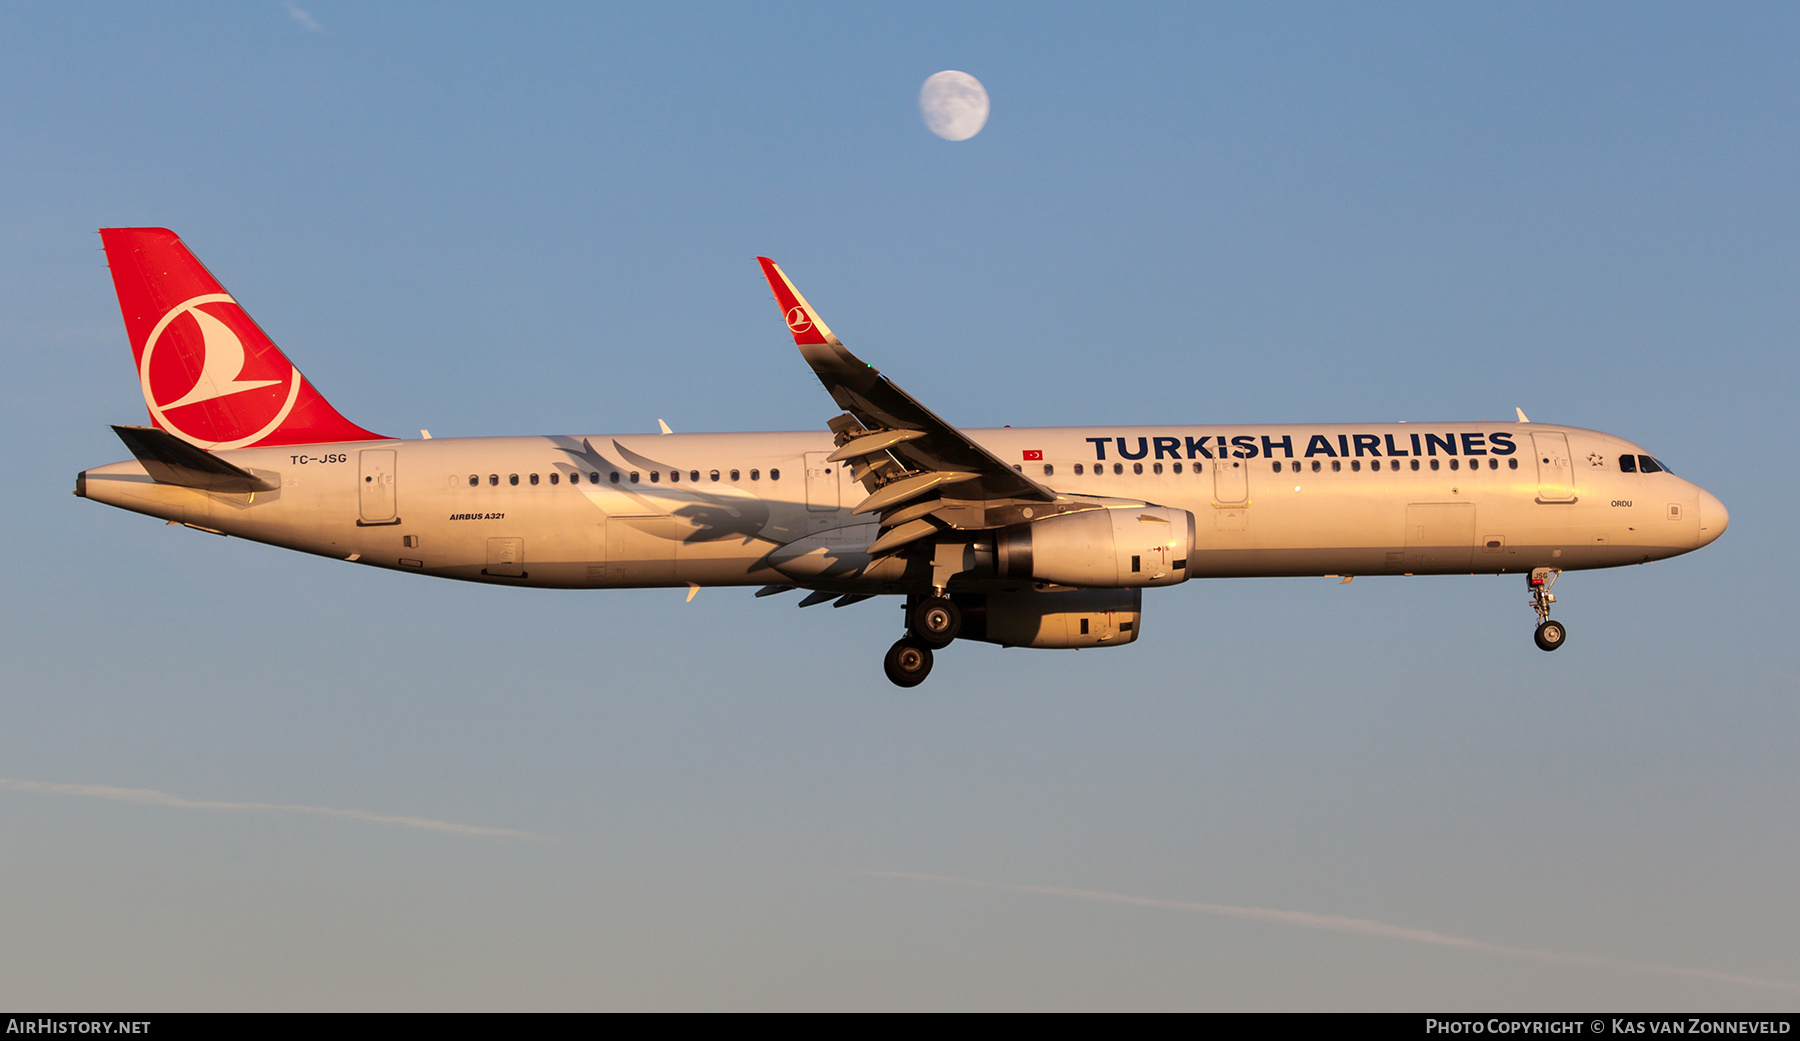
[[170, 460], [879, 405]]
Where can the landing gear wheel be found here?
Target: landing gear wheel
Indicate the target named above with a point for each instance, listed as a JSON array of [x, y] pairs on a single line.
[[936, 621], [1550, 636], [908, 662]]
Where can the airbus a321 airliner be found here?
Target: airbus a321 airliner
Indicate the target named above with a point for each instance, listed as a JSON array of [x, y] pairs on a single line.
[[1040, 537]]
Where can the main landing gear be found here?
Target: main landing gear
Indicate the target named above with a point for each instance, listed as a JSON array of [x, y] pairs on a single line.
[[1550, 635], [908, 662], [932, 622]]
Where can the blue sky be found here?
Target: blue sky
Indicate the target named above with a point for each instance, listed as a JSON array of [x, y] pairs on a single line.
[[544, 220]]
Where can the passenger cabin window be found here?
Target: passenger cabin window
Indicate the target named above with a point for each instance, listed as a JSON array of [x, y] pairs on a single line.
[[493, 480], [1050, 470], [1177, 467], [534, 478], [674, 476], [474, 479], [1453, 464], [1415, 464], [655, 476], [1137, 468], [513, 480], [714, 475], [1355, 464], [556, 478], [1156, 468], [1434, 464], [615, 477], [575, 478], [734, 475], [756, 475], [1118, 468], [693, 475], [1648, 465], [634, 477], [1337, 465], [774, 475], [1315, 466], [1278, 466], [1512, 464], [1078, 469]]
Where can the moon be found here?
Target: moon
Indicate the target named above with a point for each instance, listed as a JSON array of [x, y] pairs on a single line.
[[954, 104]]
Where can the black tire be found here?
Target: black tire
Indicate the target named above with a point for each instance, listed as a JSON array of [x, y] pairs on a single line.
[[936, 621], [908, 662], [1550, 636]]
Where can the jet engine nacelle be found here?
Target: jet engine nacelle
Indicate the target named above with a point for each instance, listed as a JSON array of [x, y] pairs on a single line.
[[1063, 618], [1110, 548]]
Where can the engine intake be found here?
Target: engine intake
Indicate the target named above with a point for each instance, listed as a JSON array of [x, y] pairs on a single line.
[[1110, 548]]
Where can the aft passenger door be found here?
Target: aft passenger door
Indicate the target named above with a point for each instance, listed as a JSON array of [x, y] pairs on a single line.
[[375, 487], [1556, 477]]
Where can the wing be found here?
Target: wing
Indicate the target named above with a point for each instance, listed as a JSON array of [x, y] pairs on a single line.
[[915, 465]]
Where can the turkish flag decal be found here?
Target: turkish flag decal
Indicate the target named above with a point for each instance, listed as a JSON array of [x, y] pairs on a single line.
[[1032, 455]]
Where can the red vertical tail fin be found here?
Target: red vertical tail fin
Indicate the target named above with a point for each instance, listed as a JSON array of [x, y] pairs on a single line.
[[209, 374]]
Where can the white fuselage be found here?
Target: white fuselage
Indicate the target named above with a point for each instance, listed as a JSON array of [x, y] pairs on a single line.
[[709, 509]]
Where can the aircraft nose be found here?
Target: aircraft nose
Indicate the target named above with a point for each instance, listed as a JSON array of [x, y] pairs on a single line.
[[1714, 518]]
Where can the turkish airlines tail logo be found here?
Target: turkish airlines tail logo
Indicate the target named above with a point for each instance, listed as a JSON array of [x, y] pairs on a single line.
[[209, 374]]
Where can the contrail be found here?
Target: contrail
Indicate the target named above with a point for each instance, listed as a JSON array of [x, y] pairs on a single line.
[[152, 797], [1340, 924], [304, 18]]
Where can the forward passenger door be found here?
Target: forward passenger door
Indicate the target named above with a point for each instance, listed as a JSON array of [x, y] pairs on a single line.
[[1556, 476]]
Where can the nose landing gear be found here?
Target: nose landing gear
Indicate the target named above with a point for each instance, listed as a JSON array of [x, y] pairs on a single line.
[[1550, 635]]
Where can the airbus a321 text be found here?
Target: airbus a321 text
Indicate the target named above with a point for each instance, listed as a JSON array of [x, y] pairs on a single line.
[[1041, 537]]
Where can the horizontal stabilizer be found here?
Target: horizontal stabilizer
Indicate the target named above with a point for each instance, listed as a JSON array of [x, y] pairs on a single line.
[[170, 460]]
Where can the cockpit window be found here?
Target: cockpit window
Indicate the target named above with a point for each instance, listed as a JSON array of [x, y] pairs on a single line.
[[1628, 464], [1648, 465]]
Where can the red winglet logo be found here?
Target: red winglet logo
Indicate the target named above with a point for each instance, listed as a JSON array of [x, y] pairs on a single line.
[[208, 372], [804, 322]]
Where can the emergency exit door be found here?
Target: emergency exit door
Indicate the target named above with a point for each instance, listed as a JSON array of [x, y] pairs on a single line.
[[1231, 480], [821, 482]]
